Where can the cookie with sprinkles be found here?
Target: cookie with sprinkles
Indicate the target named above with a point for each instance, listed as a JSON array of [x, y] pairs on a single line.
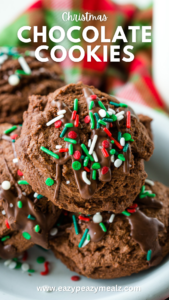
[[25, 210], [21, 75], [107, 245], [80, 165]]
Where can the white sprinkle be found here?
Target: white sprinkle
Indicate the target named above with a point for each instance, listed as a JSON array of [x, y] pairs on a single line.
[[67, 182], [11, 205], [93, 144], [118, 163], [32, 53], [3, 58], [13, 79], [102, 113], [122, 141], [61, 112], [150, 182], [25, 267], [112, 158], [85, 243], [95, 156], [23, 193], [112, 218], [58, 146], [3, 212], [94, 232], [54, 120], [89, 142], [7, 262], [111, 111], [53, 231], [6, 185], [15, 160], [12, 265], [24, 65], [120, 118], [97, 218], [35, 195], [120, 113], [85, 179]]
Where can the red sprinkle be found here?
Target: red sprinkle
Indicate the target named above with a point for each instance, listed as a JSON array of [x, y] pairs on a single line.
[[111, 125], [65, 213], [93, 97], [105, 170], [87, 169], [87, 119], [7, 224], [77, 121], [14, 136], [134, 205], [25, 256], [105, 153], [77, 154], [106, 144], [131, 210], [84, 218], [74, 114], [75, 278], [19, 173], [128, 121], [72, 135], [107, 131], [58, 124], [63, 150], [46, 272], [116, 143]]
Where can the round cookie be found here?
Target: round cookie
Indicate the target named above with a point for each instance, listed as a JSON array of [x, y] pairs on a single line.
[[110, 246], [90, 166], [16, 85], [28, 212]]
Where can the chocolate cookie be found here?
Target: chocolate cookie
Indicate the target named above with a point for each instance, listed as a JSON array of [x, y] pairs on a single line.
[[146, 121], [28, 212], [109, 246], [83, 150], [22, 75]]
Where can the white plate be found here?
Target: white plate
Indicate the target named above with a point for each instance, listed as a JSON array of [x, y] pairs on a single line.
[[15, 285]]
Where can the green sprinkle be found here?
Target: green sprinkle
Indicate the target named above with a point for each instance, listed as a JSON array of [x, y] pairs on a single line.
[[91, 105], [13, 141], [97, 120], [86, 161], [39, 197], [75, 104], [107, 115], [82, 157], [149, 252], [96, 166], [76, 165], [7, 237], [92, 120], [83, 238], [119, 136], [37, 228], [30, 217], [63, 132], [146, 194], [115, 104], [112, 141], [68, 125], [19, 204], [40, 259], [31, 271], [87, 152], [151, 195], [23, 182], [102, 122], [102, 105], [10, 129], [131, 140], [20, 72], [127, 136], [70, 149], [143, 189], [123, 105], [103, 227], [125, 148], [126, 213], [70, 140], [112, 151], [49, 182], [18, 266], [94, 173], [109, 120], [75, 224], [49, 152], [26, 235], [114, 118], [121, 157], [88, 237]]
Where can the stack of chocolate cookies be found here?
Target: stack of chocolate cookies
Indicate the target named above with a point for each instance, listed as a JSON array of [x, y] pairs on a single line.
[[73, 180]]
